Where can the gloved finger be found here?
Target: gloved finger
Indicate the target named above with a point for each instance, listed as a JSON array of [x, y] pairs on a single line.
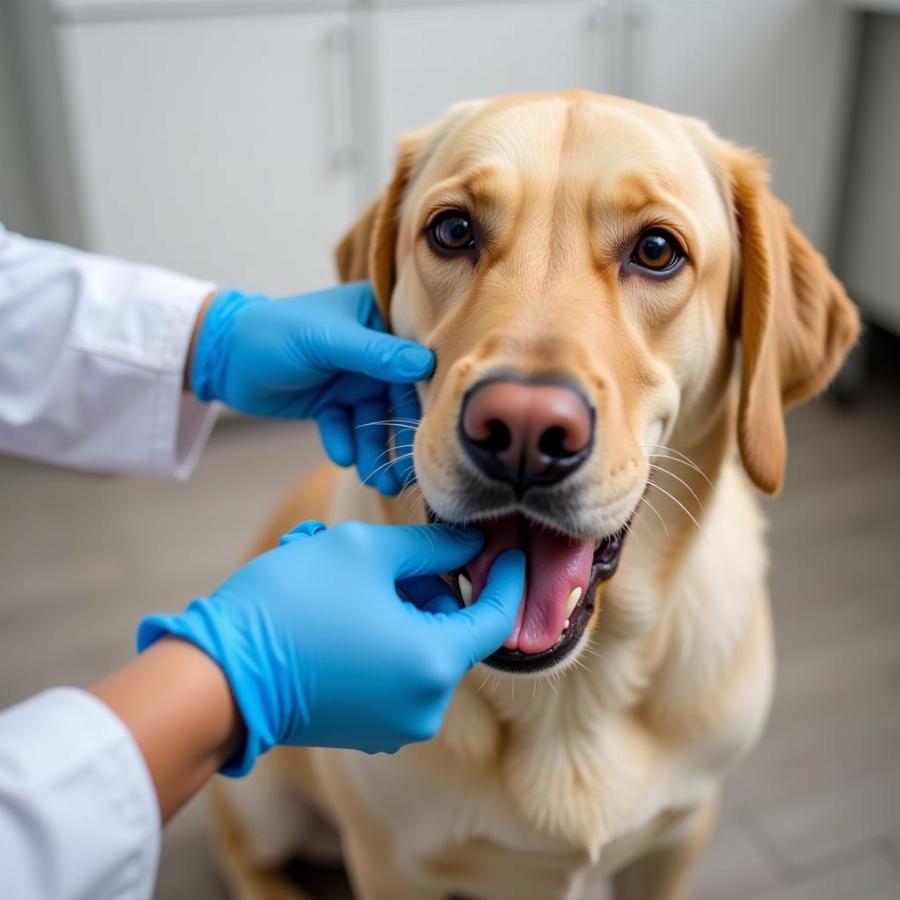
[[307, 529], [481, 628], [404, 414], [370, 432], [443, 603], [426, 590], [412, 550], [428, 594], [357, 348], [336, 431]]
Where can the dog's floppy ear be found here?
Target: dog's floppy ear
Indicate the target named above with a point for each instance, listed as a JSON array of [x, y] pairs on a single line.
[[352, 253], [793, 318], [367, 249]]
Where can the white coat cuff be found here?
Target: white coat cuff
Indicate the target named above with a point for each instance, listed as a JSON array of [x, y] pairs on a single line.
[[181, 424]]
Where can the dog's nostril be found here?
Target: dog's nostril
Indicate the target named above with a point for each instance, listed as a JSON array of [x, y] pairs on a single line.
[[552, 443], [499, 437], [526, 431]]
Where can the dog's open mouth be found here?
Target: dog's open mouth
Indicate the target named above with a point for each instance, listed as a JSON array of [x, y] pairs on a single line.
[[562, 575]]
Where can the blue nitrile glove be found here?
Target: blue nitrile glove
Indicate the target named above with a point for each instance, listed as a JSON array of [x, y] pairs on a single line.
[[346, 637], [325, 356]]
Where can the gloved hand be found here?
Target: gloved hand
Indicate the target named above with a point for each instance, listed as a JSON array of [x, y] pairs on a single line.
[[324, 356], [346, 637]]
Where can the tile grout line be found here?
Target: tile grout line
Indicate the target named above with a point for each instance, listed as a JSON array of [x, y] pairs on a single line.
[[796, 873], [760, 839], [891, 851]]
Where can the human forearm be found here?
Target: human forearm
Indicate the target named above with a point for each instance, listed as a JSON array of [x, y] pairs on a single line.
[[177, 704]]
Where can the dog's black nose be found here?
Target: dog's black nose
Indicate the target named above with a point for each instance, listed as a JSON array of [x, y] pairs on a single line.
[[526, 432]]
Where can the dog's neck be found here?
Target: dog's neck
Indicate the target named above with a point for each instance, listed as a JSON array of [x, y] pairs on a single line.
[[554, 732]]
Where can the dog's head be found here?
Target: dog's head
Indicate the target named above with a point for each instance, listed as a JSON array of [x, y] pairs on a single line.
[[582, 267]]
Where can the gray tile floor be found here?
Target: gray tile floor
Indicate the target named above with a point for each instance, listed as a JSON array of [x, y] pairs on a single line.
[[814, 814]]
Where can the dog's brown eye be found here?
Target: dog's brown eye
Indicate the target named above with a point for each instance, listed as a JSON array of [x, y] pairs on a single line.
[[452, 231], [657, 250]]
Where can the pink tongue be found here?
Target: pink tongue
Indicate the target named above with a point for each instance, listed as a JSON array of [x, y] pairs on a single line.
[[557, 564]]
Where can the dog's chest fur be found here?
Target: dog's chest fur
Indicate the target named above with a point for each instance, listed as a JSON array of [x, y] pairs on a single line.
[[573, 776]]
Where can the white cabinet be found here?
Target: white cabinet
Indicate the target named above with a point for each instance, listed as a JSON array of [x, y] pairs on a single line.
[[236, 140], [214, 145], [427, 57], [771, 74]]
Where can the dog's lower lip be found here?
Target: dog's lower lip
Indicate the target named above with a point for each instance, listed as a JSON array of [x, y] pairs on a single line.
[[605, 562]]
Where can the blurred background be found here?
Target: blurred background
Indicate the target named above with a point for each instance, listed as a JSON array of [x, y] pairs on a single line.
[[235, 139]]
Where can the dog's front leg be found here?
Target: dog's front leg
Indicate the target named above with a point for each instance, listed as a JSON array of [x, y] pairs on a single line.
[[375, 875], [664, 873]]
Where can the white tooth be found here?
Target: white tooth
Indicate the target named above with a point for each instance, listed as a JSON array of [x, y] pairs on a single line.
[[465, 590], [572, 601], [566, 625]]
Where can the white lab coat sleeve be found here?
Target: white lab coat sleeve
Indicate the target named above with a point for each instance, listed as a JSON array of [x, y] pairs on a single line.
[[79, 818], [92, 354]]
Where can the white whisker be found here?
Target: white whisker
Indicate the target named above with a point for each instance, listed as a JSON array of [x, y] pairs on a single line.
[[404, 396], [410, 424], [410, 494], [687, 512], [581, 664], [385, 452], [407, 504], [382, 468], [679, 457], [681, 481], [630, 531], [655, 510]]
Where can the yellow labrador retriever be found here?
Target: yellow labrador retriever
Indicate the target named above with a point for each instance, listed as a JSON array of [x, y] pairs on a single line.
[[584, 268]]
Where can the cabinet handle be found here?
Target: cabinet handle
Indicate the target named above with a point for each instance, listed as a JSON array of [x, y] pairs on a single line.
[[342, 155], [601, 26]]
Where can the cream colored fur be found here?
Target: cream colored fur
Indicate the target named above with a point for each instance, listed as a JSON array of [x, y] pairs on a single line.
[[610, 764]]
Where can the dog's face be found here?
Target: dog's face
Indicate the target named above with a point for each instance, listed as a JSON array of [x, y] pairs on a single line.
[[581, 266]]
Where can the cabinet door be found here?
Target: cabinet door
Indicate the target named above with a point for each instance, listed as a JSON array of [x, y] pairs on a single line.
[[215, 146], [429, 57], [769, 74]]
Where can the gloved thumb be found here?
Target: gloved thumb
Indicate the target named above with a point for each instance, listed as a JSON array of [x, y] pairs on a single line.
[[481, 628], [376, 354]]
